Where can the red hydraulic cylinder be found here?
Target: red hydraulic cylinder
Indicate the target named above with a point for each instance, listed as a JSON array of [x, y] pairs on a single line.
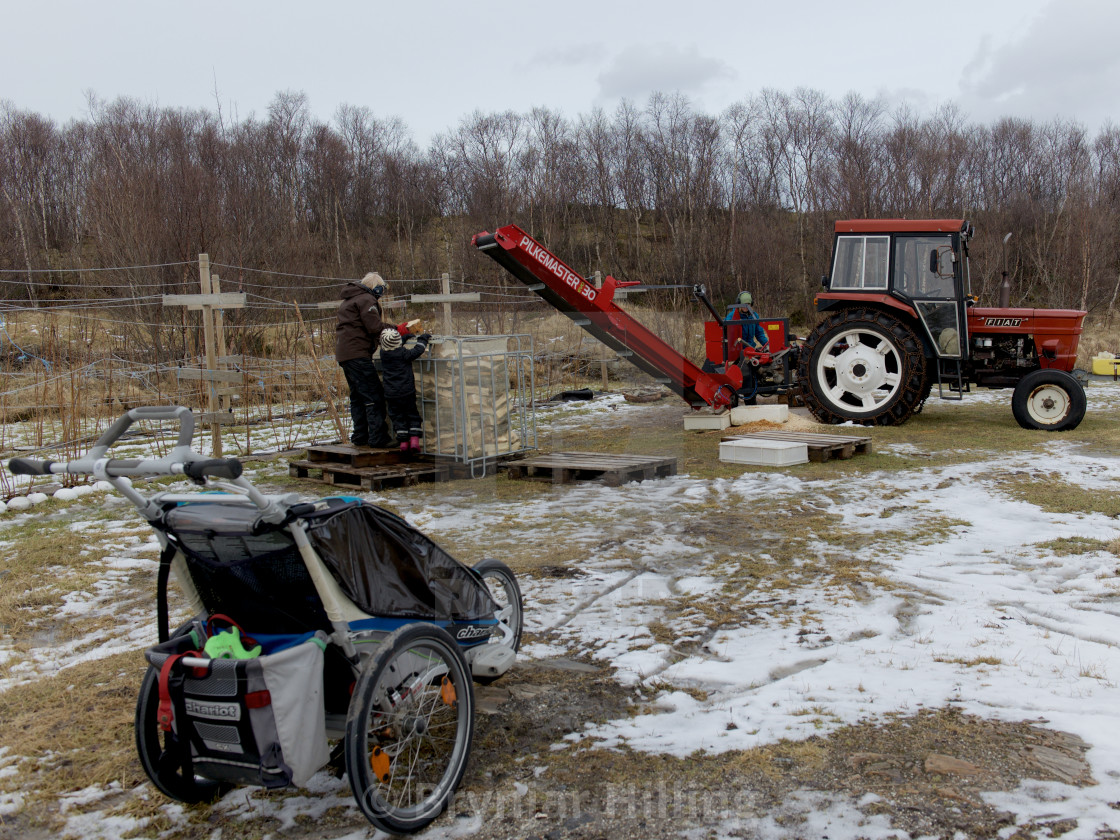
[[595, 310]]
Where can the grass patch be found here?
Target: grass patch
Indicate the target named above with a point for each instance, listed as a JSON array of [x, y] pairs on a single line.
[[1074, 546], [974, 662], [76, 728], [43, 564], [1053, 494]]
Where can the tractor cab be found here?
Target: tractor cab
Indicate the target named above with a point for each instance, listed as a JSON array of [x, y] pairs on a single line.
[[918, 267], [900, 320]]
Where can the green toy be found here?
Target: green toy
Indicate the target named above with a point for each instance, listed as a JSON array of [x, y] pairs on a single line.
[[226, 644]]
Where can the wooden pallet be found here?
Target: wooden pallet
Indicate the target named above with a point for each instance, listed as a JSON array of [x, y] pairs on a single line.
[[352, 456], [821, 447], [369, 469], [612, 470], [369, 478]]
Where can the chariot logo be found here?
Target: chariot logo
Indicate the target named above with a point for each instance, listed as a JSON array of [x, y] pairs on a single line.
[[1002, 322], [213, 711], [558, 268], [474, 631]]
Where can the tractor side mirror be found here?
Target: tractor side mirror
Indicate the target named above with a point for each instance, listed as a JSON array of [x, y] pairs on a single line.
[[935, 261]]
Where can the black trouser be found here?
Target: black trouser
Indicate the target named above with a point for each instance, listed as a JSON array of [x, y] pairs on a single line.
[[367, 403], [405, 418]]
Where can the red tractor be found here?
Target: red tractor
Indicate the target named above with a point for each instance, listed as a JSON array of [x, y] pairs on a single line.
[[900, 318]]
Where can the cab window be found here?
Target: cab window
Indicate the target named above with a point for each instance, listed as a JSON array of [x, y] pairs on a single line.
[[861, 262]]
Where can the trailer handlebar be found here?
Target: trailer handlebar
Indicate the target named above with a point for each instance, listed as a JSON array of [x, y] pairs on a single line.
[[29, 466], [229, 468], [181, 460]]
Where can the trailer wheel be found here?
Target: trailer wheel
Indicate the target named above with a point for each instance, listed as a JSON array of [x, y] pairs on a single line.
[[863, 365], [409, 728], [502, 584], [1049, 400]]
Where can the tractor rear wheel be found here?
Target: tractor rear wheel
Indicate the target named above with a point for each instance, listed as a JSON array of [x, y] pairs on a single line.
[[864, 366], [1049, 400]]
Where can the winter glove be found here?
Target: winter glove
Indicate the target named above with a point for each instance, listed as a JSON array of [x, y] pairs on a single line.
[[425, 337], [403, 329]]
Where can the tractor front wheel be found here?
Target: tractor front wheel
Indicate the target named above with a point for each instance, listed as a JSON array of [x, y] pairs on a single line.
[[863, 365], [1049, 400]]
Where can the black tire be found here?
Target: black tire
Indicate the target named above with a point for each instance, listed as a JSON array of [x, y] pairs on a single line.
[[1048, 400], [863, 365], [409, 728], [502, 583], [149, 746], [927, 386]]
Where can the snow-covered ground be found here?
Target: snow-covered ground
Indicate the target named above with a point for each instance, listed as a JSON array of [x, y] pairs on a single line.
[[985, 617]]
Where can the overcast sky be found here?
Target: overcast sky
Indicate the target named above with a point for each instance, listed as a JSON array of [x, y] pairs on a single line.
[[432, 63]]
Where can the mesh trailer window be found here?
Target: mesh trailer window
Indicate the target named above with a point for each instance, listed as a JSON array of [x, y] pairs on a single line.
[[861, 262]]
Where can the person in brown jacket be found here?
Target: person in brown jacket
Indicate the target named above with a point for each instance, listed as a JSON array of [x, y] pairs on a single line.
[[356, 337]]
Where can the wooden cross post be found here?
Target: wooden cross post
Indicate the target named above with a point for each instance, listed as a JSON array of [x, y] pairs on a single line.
[[206, 302]]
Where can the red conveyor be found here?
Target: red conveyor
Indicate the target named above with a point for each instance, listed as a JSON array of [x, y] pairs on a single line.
[[595, 310]]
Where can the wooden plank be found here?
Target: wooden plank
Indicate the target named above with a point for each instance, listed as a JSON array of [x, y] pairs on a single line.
[[608, 468], [352, 456], [211, 375], [455, 297], [330, 452], [225, 300], [223, 418], [334, 304]]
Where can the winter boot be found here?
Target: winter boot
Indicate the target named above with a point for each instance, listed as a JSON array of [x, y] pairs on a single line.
[[414, 443]]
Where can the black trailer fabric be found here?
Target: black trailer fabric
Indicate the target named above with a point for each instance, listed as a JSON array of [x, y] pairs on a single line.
[[252, 574], [390, 569]]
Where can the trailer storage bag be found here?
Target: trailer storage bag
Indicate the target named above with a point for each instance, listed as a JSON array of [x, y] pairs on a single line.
[[253, 721]]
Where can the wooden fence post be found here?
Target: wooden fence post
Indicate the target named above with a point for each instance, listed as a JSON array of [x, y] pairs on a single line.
[[213, 402], [206, 302], [603, 364], [445, 287]]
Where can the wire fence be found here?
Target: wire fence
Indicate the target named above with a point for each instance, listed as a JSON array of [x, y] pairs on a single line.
[[68, 367]]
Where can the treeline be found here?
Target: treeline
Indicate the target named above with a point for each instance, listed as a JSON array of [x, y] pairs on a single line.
[[658, 192]]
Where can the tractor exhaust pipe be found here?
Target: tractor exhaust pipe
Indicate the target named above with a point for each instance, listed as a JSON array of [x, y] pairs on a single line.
[[1005, 286]]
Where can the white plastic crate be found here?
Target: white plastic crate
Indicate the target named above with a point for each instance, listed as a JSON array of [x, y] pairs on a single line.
[[702, 420], [764, 453], [743, 414]]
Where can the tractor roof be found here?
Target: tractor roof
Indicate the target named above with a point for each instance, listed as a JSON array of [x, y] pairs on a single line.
[[900, 225]]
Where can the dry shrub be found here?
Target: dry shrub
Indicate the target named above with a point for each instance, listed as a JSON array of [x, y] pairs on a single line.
[[1097, 336]]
